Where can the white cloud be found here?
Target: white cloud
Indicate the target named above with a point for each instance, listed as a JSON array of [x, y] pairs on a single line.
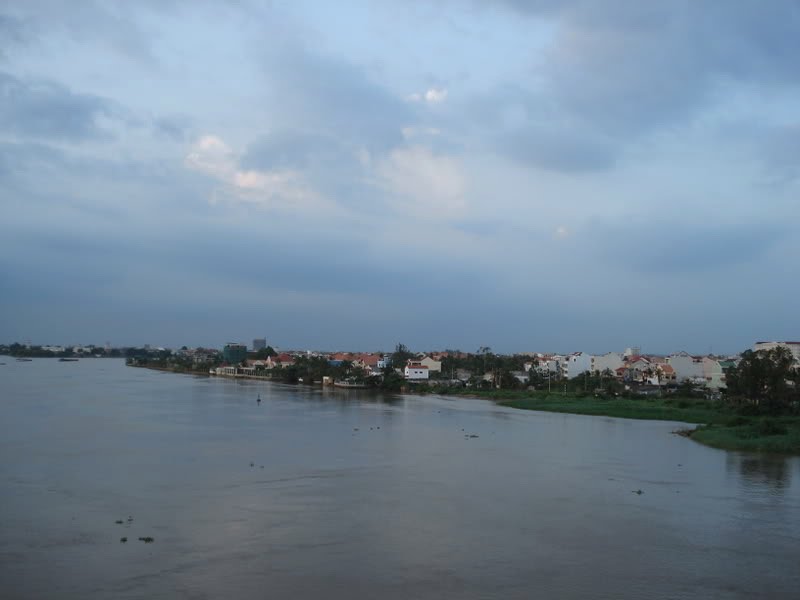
[[430, 96], [435, 96], [412, 132], [212, 156], [427, 185]]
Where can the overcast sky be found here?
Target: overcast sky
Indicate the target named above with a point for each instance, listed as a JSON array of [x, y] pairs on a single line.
[[527, 175]]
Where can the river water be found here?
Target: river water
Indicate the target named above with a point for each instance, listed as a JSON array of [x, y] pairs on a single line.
[[346, 494]]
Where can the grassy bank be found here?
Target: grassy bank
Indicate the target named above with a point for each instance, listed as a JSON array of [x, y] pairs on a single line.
[[718, 425], [765, 434], [686, 410]]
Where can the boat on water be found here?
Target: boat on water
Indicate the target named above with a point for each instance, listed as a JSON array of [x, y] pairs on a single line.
[[24, 360], [353, 385], [67, 360]]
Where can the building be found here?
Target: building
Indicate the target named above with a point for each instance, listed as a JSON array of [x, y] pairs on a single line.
[[416, 371], [574, 364], [610, 361], [794, 347], [687, 367], [234, 353], [281, 361], [714, 372], [259, 344], [433, 365]]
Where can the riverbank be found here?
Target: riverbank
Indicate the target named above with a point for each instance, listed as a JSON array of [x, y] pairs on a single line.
[[717, 424]]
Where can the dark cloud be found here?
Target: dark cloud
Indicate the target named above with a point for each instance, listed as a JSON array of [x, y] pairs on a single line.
[[296, 150], [49, 110], [780, 149], [632, 66], [175, 127], [619, 70], [13, 30], [335, 98], [675, 247], [557, 150]]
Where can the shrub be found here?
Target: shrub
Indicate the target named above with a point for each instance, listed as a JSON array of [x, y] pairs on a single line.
[[771, 427]]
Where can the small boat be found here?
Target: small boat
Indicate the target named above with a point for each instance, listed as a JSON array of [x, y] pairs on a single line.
[[258, 400], [67, 360], [353, 385]]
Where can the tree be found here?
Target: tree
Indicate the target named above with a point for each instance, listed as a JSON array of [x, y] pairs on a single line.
[[765, 378], [266, 353], [400, 356]]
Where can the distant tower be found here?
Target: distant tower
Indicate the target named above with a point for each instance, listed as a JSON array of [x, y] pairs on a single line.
[[259, 344]]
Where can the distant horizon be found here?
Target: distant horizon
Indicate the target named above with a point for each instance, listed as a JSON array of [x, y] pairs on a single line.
[[389, 350]]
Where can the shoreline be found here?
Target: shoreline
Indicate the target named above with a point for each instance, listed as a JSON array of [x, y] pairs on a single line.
[[716, 426]]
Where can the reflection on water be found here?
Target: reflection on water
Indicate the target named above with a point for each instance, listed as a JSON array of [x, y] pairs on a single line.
[[761, 471], [348, 494]]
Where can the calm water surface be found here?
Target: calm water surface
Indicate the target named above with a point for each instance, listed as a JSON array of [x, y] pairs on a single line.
[[340, 494]]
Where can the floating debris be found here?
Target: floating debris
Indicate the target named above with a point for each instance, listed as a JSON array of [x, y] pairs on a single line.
[[637, 492], [147, 540], [123, 540], [118, 521]]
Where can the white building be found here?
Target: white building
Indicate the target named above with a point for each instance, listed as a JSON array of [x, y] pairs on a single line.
[[574, 364], [713, 373], [687, 367], [609, 361], [416, 371]]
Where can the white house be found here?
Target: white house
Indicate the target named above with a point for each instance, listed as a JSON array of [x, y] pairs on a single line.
[[687, 367], [416, 371], [576, 363], [609, 361], [714, 373]]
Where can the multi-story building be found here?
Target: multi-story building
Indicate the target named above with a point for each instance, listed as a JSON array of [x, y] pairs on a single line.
[[416, 371], [259, 344], [574, 364], [610, 361], [687, 367], [234, 353]]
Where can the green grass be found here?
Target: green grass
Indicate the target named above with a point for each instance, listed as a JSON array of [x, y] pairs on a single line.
[[781, 435], [674, 409], [719, 425]]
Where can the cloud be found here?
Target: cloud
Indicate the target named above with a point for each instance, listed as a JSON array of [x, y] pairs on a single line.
[[175, 127], [13, 30], [48, 110], [633, 66], [424, 184], [333, 97], [780, 151], [279, 188], [430, 96], [673, 247], [557, 150]]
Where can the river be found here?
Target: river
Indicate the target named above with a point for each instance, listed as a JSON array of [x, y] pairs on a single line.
[[344, 494]]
